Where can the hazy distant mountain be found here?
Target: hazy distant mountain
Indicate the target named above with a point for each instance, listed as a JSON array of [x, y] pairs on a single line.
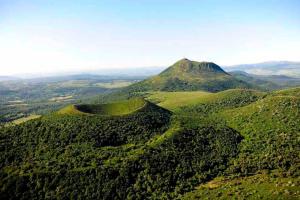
[[83, 76], [139, 71], [267, 82], [121, 72], [8, 78], [269, 68]]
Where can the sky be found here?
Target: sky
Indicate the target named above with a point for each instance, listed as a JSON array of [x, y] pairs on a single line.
[[49, 36]]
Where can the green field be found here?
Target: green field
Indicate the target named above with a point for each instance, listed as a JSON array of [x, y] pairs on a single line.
[[175, 100]]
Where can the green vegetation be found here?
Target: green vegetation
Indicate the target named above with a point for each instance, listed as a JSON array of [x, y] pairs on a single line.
[[115, 84], [186, 75], [22, 97], [288, 92], [260, 186], [128, 157], [271, 128], [114, 109], [119, 108], [163, 141], [178, 100], [215, 145], [71, 110], [267, 83], [25, 119], [174, 100]]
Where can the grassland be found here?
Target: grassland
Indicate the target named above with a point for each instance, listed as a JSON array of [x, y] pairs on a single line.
[[176, 100]]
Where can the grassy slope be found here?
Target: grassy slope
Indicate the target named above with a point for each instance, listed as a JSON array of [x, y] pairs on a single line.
[[259, 186], [25, 119], [271, 128], [288, 92], [271, 131], [168, 154], [269, 123], [70, 110], [176, 100], [114, 109], [269, 114], [186, 75], [275, 115]]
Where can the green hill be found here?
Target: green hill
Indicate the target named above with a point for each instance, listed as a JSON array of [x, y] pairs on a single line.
[[271, 128], [137, 156], [184, 75], [113, 109], [238, 143], [187, 75], [268, 163]]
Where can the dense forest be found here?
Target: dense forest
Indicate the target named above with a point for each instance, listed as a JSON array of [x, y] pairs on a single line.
[[151, 153], [158, 139], [133, 156]]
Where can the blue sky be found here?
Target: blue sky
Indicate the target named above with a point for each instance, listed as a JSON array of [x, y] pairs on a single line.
[[48, 36]]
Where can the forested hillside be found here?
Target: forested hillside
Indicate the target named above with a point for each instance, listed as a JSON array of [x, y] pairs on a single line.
[[174, 145], [149, 100], [133, 156]]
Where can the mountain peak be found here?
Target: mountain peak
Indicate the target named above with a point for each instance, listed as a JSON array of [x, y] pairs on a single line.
[[188, 75], [184, 60], [187, 66]]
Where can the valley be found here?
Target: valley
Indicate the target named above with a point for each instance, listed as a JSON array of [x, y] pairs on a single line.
[[37, 96]]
